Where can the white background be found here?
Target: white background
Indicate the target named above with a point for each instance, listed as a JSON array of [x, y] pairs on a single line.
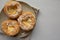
[[48, 21]]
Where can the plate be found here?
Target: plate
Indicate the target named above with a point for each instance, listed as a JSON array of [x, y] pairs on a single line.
[[25, 7]]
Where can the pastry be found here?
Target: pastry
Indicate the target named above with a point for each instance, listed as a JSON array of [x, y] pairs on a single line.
[[12, 9], [10, 27], [27, 21]]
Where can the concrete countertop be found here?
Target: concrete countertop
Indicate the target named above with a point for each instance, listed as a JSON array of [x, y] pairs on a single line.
[[48, 21]]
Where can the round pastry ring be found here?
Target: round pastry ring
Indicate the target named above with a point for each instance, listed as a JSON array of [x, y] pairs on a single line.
[[13, 5], [28, 16], [10, 27]]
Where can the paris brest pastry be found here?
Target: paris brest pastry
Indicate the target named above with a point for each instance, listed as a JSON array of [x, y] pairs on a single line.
[[27, 21], [12, 9], [10, 27]]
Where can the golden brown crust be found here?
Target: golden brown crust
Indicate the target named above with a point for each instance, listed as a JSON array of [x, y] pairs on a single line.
[[27, 21], [10, 27], [12, 9]]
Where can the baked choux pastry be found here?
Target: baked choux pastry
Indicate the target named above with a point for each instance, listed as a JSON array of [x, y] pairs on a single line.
[[10, 27], [13, 9], [27, 21]]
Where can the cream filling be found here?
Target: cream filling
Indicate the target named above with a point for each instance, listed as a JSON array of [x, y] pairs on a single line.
[[11, 29], [27, 23], [12, 11]]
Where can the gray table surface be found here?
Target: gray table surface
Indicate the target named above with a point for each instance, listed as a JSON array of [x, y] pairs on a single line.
[[48, 21]]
